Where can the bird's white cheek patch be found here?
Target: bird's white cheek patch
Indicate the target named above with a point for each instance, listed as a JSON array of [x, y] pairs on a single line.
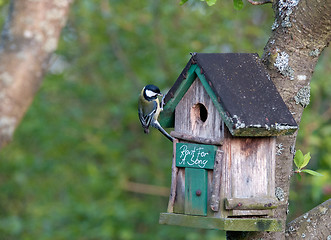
[[150, 93]]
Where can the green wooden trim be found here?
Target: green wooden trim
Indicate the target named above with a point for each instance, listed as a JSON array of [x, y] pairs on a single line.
[[214, 99], [196, 180], [167, 116], [226, 224]]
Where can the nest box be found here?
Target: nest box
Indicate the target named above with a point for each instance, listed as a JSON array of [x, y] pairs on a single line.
[[226, 114]]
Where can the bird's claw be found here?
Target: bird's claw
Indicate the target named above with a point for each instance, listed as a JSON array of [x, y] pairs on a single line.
[[162, 102]]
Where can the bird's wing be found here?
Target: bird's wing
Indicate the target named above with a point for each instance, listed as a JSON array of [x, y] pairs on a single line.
[[149, 117], [146, 119], [141, 117]]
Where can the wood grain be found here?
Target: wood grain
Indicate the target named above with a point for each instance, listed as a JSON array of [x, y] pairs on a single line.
[[174, 171], [215, 187], [179, 204], [252, 162], [251, 203], [251, 213], [248, 171], [196, 139], [187, 120]]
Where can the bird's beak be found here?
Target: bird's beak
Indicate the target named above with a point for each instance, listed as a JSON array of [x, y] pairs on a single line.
[[160, 94]]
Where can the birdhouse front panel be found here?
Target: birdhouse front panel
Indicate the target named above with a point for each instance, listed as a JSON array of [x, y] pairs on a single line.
[[201, 117]]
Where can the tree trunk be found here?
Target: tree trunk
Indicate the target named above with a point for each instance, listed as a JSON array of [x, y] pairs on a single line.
[[302, 29], [29, 37]]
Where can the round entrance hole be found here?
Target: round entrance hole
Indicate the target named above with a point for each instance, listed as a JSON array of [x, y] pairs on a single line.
[[199, 111]]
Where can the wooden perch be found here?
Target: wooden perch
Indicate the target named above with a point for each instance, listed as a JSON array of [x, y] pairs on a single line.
[[195, 139], [250, 203]]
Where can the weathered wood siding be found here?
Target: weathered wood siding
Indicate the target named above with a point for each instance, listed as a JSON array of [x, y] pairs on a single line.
[[249, 165], [252, 161], [188, 121], [179, 206]]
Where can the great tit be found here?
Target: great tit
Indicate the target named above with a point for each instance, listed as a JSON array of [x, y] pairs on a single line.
[[149, 109]]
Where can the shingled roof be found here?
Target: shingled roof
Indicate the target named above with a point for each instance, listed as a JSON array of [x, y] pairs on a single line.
[[240, 89]]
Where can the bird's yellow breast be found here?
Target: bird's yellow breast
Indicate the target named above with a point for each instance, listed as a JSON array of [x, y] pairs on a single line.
[[158, 110]]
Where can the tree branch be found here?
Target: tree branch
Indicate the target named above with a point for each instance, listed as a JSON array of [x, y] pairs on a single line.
[[261, 2], [315, 224], [29, 37], [146, 189]]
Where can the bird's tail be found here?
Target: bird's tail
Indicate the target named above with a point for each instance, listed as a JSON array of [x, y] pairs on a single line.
[[158, 127]]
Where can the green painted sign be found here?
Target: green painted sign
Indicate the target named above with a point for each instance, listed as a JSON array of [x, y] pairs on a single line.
[[195, 155]]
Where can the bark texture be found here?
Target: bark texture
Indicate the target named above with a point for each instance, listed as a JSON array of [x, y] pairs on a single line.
[[302, 29], [309, 225], [29, 37]]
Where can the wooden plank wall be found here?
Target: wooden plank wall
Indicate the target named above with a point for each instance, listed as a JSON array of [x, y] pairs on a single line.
[[189, 123], [252, 162], [249, 165]]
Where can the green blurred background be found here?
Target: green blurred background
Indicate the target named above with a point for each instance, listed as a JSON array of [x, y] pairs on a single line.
[[68, 171]]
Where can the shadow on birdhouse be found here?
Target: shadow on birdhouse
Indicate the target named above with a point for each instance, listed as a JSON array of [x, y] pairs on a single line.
[[226, 114]]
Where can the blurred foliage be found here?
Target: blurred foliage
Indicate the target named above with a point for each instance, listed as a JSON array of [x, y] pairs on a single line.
[[65, 173]]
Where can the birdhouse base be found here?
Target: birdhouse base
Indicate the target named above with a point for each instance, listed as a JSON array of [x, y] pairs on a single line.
[[226, 224]]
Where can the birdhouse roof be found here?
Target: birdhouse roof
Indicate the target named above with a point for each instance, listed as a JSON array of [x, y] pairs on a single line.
[[240, 89]]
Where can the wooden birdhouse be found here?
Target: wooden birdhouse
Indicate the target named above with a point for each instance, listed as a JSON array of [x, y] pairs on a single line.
[[226, 114]]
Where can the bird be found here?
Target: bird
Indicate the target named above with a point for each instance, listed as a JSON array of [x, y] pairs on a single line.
[[149, 108]]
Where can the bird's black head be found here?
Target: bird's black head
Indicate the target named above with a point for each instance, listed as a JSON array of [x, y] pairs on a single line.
[[151, 92]]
